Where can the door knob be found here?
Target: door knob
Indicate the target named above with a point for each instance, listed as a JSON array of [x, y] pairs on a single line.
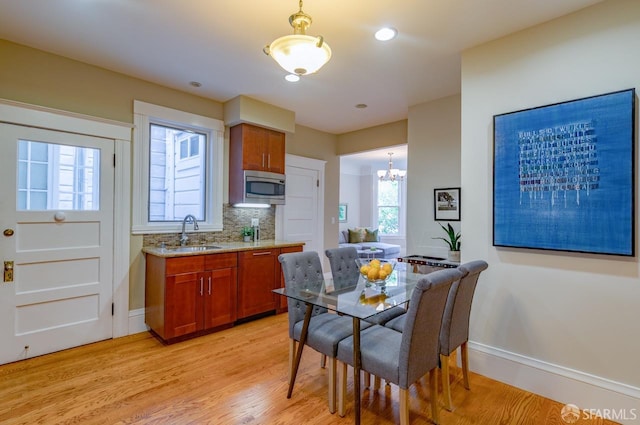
[[8, 232]]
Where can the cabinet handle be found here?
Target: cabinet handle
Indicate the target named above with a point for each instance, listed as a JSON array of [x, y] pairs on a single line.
[[269, 161], [256, 254], [201, 286], [263, 160], [209, 285]]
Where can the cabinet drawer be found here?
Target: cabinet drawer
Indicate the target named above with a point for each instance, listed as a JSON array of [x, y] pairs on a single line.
[[220, 261], [188, 264], [288, 249], [249, 255]]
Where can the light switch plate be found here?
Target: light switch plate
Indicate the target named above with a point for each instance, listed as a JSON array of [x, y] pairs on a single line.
[[255, 222]]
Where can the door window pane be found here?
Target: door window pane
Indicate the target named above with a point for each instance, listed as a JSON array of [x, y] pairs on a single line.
[[22, 151], [39, 151], [38, 176], [57, 177], [22, 201], [22, 176], [38, 201]]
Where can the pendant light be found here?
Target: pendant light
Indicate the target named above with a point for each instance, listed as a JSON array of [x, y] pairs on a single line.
[[391, 174], [299, 53]]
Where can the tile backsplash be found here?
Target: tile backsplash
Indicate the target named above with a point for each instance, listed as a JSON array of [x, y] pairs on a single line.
[[234, 219]]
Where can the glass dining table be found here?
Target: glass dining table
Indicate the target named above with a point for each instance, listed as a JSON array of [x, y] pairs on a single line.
[[359, 300]]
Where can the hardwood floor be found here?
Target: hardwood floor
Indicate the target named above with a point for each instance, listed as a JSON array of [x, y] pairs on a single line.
[[236, 376]]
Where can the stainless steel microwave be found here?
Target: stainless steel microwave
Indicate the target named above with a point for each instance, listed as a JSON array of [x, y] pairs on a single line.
[[262, 187]]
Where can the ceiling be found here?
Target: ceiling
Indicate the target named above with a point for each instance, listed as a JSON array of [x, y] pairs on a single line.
[[219, 44], [364, 163]]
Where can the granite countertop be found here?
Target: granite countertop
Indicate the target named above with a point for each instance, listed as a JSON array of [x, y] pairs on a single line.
[[216, 248]]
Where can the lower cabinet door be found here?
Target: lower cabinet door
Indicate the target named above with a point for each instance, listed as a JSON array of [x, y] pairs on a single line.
[[220, 298], [256, 281], [183, 307]]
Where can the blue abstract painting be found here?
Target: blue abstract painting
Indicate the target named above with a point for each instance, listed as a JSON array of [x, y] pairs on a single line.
[[564, 176]]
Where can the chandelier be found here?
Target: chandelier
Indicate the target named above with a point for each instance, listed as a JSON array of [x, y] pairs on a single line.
[[391, 174], [299, 53]]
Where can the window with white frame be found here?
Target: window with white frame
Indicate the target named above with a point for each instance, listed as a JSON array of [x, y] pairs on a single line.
[[177, 174], [178, 169], [389, 207]]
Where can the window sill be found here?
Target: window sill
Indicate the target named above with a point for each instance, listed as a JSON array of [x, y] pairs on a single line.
[[173, 228]]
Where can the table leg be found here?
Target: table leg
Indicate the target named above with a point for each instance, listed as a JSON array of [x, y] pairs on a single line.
[[356, 369], [303, 340]]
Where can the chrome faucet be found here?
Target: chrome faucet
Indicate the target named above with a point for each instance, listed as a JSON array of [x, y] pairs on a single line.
[[188, 218]]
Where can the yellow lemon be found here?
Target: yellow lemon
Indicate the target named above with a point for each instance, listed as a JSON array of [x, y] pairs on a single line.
[[373, 273], [383, 274], [375, 263], [364, 269], [387, 268]]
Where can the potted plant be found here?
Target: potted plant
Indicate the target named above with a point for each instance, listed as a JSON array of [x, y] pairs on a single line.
[[453, 240], [247, 233]]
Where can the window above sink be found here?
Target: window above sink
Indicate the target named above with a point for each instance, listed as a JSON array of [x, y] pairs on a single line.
[[178, 169]]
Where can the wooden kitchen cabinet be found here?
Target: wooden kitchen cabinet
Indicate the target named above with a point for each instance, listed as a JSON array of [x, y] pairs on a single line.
[[258, 276], [275, 149], [256, 148], [220, 292], [189, 295], [281, 306]]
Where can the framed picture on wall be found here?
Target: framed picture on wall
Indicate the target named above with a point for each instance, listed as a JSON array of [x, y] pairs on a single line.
[[446, 204], [563, 176], [342, 213]]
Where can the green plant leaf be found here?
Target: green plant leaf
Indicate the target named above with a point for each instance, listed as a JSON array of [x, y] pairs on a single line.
[[453, 238]]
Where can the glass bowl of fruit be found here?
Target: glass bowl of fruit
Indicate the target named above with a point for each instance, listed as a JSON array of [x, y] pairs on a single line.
[[376, 271]]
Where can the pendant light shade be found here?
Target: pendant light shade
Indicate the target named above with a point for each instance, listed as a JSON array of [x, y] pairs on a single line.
[[299, 53]]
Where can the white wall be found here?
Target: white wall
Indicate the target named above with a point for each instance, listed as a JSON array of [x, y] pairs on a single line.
[[572, 317], [433, 162], [356, 190], [367, 199], [350, 189]]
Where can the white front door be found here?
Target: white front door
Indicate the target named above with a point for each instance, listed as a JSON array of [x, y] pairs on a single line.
[[56, 225]]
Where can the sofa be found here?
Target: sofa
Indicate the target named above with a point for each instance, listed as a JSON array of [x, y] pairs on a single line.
[[363, 240]]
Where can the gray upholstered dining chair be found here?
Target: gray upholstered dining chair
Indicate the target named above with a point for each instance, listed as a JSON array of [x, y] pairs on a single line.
[[326, 330], [345, 271], [403, 358], [454, 331], [344, 268]]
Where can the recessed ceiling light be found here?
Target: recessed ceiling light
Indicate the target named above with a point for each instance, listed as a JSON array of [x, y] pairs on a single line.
[[292, 78], [195, 84], [386, 34], [361, 105]]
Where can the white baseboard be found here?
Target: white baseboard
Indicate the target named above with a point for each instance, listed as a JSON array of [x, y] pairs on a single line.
[[593, 394], [136, 321]]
